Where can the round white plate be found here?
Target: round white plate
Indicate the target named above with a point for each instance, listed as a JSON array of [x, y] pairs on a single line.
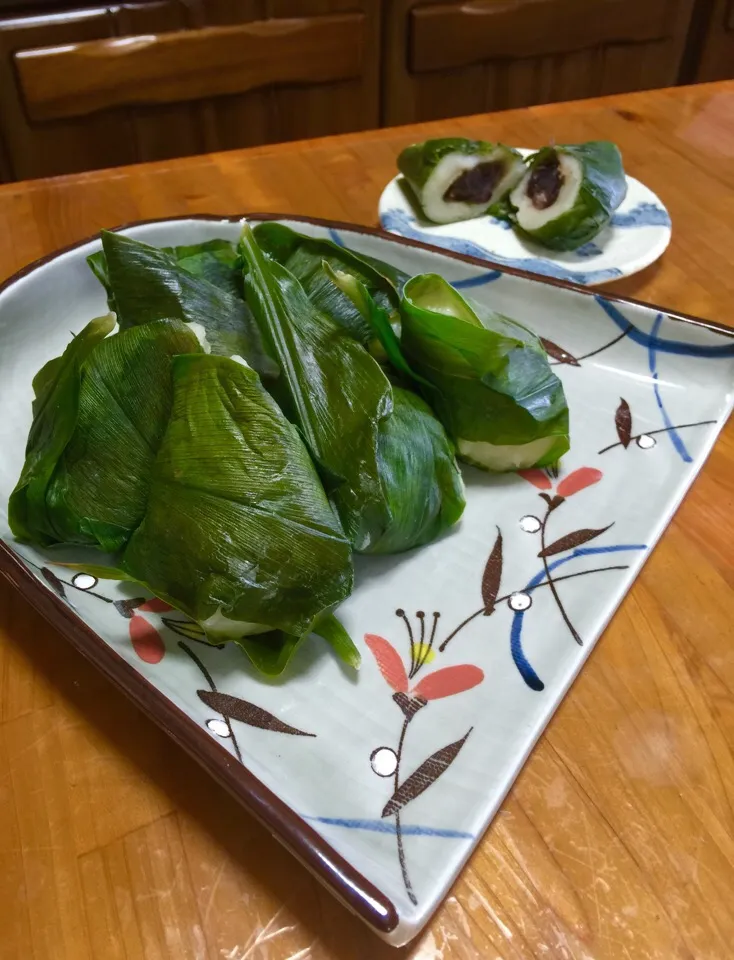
[[638, 234]]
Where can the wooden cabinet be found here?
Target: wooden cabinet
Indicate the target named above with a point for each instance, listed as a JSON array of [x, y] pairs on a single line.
[[711, 54], [105, 84], [451, 57], [109, 85]]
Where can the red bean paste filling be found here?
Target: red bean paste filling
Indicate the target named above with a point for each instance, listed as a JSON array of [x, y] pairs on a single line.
[[545, 183], [477, 184]]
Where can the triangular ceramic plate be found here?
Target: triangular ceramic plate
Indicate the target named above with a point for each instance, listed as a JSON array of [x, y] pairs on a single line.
[[383, 783]]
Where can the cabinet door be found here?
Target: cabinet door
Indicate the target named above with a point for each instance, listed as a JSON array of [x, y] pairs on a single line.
[[711, 56], [57, 146], [448, 57], [114, 85]]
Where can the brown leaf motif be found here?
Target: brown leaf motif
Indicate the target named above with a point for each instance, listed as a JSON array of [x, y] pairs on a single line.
[[236, 709], [572, 540], [426, 774], [492, 576], [408, 704], [127, 608], [623, 422], [50, 577], [184, 628], [558, 353]]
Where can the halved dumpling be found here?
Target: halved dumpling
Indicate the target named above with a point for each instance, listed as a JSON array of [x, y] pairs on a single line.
[[568, 194], [457, 179]]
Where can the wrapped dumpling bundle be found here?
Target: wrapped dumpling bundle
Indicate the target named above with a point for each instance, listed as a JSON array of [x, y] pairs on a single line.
[[385, 460], [493, 388], [183, 466]]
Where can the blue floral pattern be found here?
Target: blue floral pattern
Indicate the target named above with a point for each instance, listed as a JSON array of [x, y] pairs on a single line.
[[643, 215], [401, 223]]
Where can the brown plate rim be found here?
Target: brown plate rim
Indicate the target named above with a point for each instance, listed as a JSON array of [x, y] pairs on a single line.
[[347, 883]]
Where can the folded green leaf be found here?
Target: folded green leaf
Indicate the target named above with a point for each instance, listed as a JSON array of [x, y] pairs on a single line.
[[55, 410], [376, 317], [306, 257], [237, 533], [99, 489], [330, 387], [494, 390], [149, 284], [420, 477], [214, 260], [98, 265]]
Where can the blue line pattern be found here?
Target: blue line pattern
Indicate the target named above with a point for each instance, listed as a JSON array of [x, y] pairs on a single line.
[[389, 826], [401, 223], [518, 655], [662, 345], [335, 238], [675, 437], [643, 215], [479, 281], [589, 249]]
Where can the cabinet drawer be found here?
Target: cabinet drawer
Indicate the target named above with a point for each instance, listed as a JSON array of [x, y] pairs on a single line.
[[447, 58], [79, 79], [155, 79], [450, 35]]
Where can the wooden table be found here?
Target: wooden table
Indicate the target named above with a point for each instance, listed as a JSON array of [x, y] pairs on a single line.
[[618, 838]]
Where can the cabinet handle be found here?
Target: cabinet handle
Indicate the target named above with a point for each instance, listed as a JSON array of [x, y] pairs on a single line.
[[80, 78], [447, 36]]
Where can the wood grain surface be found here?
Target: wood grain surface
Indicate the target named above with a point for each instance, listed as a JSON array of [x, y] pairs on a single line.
[[474, 56], [617, 841], [82, 78]]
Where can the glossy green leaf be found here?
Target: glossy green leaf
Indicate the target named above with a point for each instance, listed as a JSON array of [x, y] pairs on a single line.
[[270, 653], [215, 260], [376, 317], [338, 639], [329, 386], [98, 265], [99, 488], [55, 411], [494, 390], [305, 257], [237, 533], [420, 477], [149, 284]]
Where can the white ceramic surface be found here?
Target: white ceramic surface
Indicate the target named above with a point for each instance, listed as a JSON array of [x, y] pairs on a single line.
[[648, 395], [637, 236]]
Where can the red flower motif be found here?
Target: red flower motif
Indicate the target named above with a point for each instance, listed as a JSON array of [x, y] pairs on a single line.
[[578, 480], [575, 482], [537, 477], [389, 662], [146, 641], [448, 681], [441, 683], [155, 605]]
